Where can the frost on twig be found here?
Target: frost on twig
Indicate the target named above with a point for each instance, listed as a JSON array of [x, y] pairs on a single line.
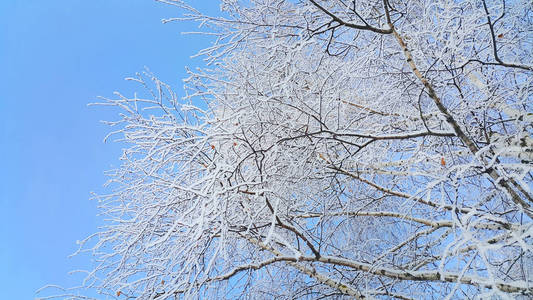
[[329, 149]]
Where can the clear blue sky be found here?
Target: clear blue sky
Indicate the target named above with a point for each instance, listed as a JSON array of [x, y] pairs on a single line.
[[55, 57]]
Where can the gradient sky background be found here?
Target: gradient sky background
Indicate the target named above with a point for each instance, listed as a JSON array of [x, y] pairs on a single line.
[[56, 56]]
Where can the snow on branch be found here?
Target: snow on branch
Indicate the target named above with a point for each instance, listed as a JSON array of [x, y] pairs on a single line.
[[369, 149]]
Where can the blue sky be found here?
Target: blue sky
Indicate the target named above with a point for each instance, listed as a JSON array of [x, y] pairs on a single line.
[[56, 57]]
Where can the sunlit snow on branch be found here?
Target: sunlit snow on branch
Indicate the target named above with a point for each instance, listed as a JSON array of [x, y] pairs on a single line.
[[358, 149]]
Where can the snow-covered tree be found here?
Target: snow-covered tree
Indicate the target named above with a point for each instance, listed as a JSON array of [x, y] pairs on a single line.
[[361, 149]]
